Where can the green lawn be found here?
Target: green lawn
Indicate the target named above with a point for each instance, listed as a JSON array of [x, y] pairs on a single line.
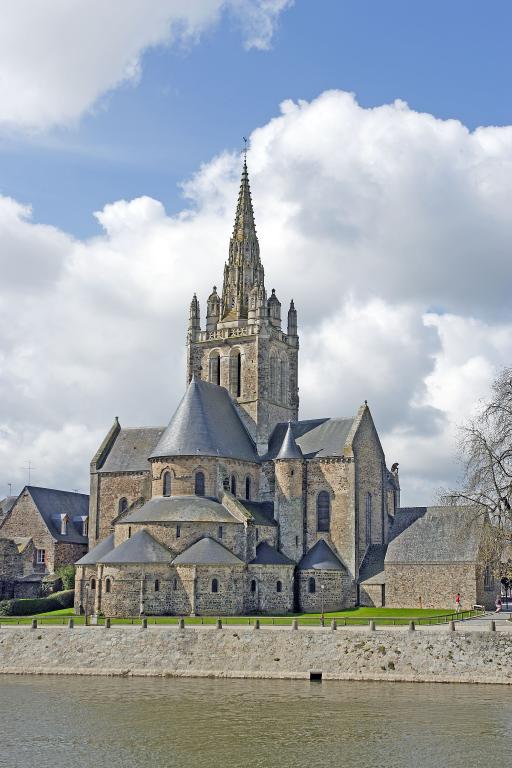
[[353, 616]]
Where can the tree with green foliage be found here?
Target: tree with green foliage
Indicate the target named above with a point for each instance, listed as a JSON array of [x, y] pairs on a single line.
[[67, 576]]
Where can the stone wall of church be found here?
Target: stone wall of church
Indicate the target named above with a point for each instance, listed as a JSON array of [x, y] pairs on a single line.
[[289, 505], [183, 471], [434, 585], [273, 591], [66, 553], [230, 535], [338, 592], [370, 469], [372, 595], [111, 488], [268, 533], [336, 476]]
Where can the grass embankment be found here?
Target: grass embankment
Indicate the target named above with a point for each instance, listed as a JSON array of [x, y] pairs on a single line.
[[354, 616]]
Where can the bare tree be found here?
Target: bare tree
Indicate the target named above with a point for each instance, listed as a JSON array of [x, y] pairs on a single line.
[[486, 452]]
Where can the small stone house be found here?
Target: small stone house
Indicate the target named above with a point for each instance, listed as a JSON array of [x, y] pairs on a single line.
[[48, 529], [433, 553]]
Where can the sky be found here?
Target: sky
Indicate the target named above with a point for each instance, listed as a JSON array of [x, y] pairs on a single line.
[[380, 158]]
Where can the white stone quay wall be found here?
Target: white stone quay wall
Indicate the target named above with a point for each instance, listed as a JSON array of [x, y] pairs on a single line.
[[425, 655]]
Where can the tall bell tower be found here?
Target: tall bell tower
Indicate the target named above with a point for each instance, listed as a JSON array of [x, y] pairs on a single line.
[[243, 346]]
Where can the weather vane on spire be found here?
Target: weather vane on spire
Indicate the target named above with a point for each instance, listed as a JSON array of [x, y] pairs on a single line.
[[245, 149]]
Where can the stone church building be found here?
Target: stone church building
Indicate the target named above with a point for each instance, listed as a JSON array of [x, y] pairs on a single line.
[[237, 506]]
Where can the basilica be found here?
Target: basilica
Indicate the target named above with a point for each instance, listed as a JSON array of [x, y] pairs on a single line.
[[238, 506]]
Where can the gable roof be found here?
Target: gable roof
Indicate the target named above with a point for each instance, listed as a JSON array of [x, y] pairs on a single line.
[[207, 551], [435, 535], [140, 548], [289, 448], [267, 555], [131, 449], [52, 505], [321, 558], [314, 437], [96, 553], [372, 567], [206, 423], [197, 509]]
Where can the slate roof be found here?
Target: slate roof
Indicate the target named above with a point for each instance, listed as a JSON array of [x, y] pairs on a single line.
[[207, 551], [267, 555], [140, 548], [6, 506], [197, 509], [262, 512], [435, 535], [206, 423], [96, 553], [315, 437], [289, 448], [321, 558], [372, 567], [131, 450], [52, 504]]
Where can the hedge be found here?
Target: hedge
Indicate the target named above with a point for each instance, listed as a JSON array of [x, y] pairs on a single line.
[[30, 606]]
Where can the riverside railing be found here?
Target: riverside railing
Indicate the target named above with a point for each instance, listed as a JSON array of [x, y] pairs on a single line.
[[279, 621]]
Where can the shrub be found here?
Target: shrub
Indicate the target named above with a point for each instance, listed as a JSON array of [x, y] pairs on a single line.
[[30, 606], [67, 576]]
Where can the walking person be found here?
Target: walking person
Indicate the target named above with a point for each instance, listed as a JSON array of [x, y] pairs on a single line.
[[498, 604], [457, 603]]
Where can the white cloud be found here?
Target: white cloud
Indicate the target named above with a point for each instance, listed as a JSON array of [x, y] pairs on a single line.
[[57, 57], [389, 228]]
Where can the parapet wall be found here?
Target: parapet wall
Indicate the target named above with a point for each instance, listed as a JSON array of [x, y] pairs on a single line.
[[426, 655]]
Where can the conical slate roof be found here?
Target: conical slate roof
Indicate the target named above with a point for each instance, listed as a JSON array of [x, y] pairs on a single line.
[[207, 551], [96, 553], [267, 555], [206, 424], [321, 558], [140, 548], [289, 448]]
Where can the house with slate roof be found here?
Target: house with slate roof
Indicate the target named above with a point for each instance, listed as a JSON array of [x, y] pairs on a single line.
[[237, 505], [49, 529]]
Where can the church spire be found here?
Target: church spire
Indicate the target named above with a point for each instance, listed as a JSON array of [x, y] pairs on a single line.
[[243, 270]]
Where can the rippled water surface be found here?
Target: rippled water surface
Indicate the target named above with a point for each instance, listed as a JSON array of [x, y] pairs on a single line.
[[66, 722]]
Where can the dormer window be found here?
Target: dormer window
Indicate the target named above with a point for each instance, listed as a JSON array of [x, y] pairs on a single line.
[[64, 525], [85, 526]]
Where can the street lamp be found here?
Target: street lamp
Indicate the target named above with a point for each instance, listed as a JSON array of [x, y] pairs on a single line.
[[86, 602], [322, 587]]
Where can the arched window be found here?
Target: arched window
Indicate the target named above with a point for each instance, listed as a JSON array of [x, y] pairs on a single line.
[[311, 586], [93, 583], [175, 584], [214, 368], [108, 585], [233, 485], [215, 585], [283, 369], [488, 578], [220, 532], [279, 586], [273, 376], [368, 518], [323, 511], [248, 488], [253, 585], [236, 373], [129, 531], [166, 483], [199, 484], [157, 585], [123, 505], [178, 531]]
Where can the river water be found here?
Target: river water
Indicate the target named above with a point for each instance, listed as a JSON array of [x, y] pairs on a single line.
[[63, 722]]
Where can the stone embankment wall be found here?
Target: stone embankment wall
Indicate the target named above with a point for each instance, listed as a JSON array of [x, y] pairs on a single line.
[[349, 654]]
